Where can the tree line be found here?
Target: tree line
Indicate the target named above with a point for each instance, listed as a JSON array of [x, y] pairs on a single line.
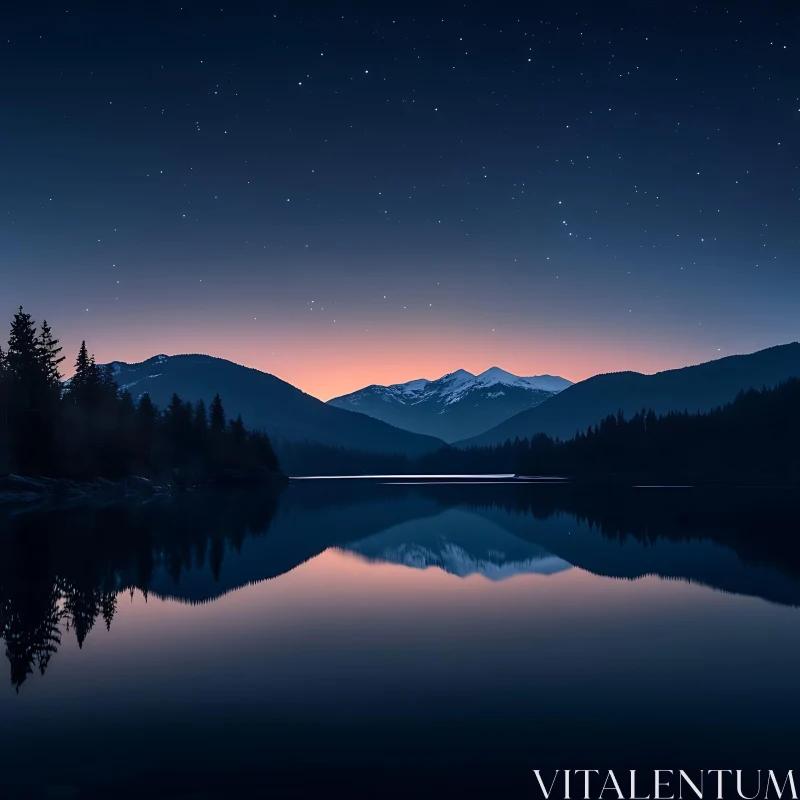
[[87, 427], [61, 573], [754, 437]]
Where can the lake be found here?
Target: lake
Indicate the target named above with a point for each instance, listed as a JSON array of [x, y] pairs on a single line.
[[396, 636]]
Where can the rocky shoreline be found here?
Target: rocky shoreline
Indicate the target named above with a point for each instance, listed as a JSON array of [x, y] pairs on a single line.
[[23, 491]]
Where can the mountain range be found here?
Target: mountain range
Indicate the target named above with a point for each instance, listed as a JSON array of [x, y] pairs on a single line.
[[416, 418], [466, 532], [456, 406], [696, 388], [460, 543], [266, 403]]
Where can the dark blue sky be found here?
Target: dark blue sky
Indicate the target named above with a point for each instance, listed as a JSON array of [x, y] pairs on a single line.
[[574, 188]]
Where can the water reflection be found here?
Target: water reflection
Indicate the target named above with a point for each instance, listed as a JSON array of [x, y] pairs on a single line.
[[65, 569], [345, 627]]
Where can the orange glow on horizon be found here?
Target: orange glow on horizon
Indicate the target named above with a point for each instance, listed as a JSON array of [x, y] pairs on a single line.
[[329, 366]]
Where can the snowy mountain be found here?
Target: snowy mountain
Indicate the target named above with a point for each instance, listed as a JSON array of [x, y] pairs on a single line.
[[458, 542], [455, 406]]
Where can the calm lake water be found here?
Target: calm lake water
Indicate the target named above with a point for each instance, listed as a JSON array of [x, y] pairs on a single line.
[[385, 637]]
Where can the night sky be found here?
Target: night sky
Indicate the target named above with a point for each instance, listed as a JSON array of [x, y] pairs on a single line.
[[345, 193]]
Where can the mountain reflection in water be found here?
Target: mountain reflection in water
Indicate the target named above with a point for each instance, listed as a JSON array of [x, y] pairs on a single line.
[[343, 612]]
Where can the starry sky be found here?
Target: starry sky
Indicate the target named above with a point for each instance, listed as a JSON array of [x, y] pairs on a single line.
[[353, 193]]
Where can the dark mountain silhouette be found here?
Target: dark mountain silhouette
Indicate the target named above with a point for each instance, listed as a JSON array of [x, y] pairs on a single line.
[[266, 402], [695, 559], [86, 429], [697, 388], [455, 406], [310, 520]]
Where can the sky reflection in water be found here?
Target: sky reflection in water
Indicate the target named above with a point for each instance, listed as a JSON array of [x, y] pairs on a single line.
[[400, 627]]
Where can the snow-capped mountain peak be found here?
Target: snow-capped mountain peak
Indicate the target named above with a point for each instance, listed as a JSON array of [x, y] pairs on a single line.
[[422, 404], [459, 376], [497, 375], [456, 560], [548, 383], [455, 384]]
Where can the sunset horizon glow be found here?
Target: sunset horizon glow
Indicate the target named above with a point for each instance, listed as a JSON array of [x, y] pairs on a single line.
[[328, 368]]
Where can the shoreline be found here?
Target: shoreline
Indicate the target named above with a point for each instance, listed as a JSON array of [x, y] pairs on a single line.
[[22, 491], [25, 491]]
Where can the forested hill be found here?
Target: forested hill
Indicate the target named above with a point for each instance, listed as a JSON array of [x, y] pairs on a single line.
[[756, 437], [88, 428], [267, 403], [701, 387]]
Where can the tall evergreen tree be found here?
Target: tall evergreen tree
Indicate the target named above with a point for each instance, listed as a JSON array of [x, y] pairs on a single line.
[[200, 426], [93, 380], [94, 430], [107, 380], [49, 405], [174, 416], [237, 430], [127, 408], [80, 379], [217, 416], [49, 350], [81, 364], [31, 439], [200, 416], [146, 411], [23, 354]]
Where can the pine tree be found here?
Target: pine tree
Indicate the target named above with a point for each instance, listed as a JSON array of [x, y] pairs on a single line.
[[80, 380], [146, 412], [127, 409], [107, 380], [30, 427], [49, 404], [237, 431], [200, 416], [97, 431], [23, 352], [236, 444], [262, 451], [21, 340], [49, 350], [81, 365], [217, 416], [93, 378], [173, 416]]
